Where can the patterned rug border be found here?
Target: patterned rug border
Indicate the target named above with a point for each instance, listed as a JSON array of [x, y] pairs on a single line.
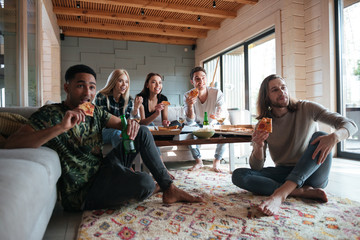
[[228, 213]]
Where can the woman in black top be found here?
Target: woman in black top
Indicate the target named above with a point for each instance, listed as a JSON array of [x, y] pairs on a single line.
[[152, 98]]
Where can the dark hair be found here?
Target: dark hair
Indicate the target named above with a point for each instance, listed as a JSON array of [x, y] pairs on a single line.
[[80, 68], [145, 92], [196, 69], [263, 104]]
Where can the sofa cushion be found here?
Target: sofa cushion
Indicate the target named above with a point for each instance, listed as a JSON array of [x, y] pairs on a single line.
[[27, 181], [44, 156]]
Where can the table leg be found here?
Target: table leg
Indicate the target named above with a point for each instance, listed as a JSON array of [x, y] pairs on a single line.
[[137, 162], [231, 157]]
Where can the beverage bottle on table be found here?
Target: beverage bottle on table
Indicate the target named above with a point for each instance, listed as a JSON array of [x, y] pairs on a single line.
[[129, 145], [206, 120]]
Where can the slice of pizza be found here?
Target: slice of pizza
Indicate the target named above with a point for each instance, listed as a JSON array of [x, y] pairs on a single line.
[[168, 128], [88, 108], [166, 103], [265, 124], [194, 93]]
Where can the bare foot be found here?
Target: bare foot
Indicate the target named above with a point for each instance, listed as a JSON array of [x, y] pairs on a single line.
[[174, 194], [216, 166], [270, 206], [171, 176], [311, 193], [157, 188], [197, 166]]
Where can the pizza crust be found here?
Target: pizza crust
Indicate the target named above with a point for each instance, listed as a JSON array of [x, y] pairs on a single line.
[[166, 103]]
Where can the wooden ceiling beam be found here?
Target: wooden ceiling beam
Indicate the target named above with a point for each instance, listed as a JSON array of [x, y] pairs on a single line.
[[133, 18], [250, 2], [169, 7], [112, 36], [116, 27]]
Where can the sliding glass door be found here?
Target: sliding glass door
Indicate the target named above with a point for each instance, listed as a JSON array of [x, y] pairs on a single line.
[[348, 70], [241, 70]]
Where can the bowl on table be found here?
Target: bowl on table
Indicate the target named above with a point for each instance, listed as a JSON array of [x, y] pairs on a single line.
[[204, 132]]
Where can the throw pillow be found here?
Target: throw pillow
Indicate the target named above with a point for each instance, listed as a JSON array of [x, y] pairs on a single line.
[[10, 123], [2, 141]]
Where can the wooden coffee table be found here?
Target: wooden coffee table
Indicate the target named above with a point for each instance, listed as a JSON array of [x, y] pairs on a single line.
[[231, 139]]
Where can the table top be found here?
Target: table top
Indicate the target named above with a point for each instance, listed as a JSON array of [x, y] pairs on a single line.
[[212, 140]]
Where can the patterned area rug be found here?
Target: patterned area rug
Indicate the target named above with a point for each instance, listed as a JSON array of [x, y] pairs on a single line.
[[228, 213]]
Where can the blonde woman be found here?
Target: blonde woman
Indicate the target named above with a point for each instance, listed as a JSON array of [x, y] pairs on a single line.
[[115, 99]]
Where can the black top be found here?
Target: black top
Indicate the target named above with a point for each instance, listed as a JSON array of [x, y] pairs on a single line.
[[146, 104]]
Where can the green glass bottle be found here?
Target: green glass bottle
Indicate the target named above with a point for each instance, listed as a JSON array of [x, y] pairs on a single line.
[[206, 120], [129, 145]]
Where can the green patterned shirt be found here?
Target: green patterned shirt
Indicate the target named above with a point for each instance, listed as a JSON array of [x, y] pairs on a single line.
[[79, 149]]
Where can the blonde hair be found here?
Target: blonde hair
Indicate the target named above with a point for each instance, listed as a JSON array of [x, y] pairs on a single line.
[[110, 84]]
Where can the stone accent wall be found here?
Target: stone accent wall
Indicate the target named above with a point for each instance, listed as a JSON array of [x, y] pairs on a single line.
[[174, 62]]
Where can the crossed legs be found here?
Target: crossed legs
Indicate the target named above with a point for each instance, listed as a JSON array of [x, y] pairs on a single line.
[[306, 180]]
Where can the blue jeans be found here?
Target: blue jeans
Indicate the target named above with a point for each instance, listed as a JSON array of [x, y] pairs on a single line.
[[219, 152], [306, 172], [116, 183], [111, 135]]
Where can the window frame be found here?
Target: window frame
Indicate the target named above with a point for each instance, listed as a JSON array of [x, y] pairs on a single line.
[[339, 81], [245, 44]]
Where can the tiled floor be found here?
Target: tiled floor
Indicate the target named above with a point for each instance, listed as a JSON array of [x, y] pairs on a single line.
[[344, 179]]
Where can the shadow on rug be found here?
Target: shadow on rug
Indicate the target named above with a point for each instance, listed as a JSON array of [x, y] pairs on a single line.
[[228, 213]]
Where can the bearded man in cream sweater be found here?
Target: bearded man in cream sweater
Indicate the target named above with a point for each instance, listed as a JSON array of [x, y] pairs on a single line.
[[302, 155]]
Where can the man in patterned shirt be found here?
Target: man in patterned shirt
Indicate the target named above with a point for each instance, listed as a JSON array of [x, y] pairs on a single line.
[[89, 180]]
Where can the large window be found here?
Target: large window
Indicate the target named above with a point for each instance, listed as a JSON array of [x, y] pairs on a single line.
[[8, 35], [241, 70], [18, 61], [348, 70]]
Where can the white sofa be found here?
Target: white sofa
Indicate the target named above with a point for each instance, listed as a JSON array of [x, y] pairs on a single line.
[[28, 180]]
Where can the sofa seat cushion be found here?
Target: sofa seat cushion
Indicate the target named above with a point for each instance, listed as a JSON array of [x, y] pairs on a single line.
[[44, 156], [27, 181]]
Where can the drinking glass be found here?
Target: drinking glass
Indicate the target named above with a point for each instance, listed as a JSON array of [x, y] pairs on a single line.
[[220, 115], [181, 116], [136, 117]]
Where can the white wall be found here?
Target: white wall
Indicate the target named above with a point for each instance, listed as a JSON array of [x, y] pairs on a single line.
[[305, 43]]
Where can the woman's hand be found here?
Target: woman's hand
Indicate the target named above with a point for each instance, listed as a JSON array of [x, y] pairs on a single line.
[[159, 107], [137, 103], [165, 123]]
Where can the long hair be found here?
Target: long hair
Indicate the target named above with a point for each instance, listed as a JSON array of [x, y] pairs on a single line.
[[110, 85], [263, 104], [145, 92]]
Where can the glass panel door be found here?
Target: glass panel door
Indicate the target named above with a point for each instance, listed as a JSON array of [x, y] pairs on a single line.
[[349, 13], [262, 63], [234, 78], [8, 86]]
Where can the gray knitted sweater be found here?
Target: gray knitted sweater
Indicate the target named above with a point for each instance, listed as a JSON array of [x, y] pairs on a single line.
[[292, 132]]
